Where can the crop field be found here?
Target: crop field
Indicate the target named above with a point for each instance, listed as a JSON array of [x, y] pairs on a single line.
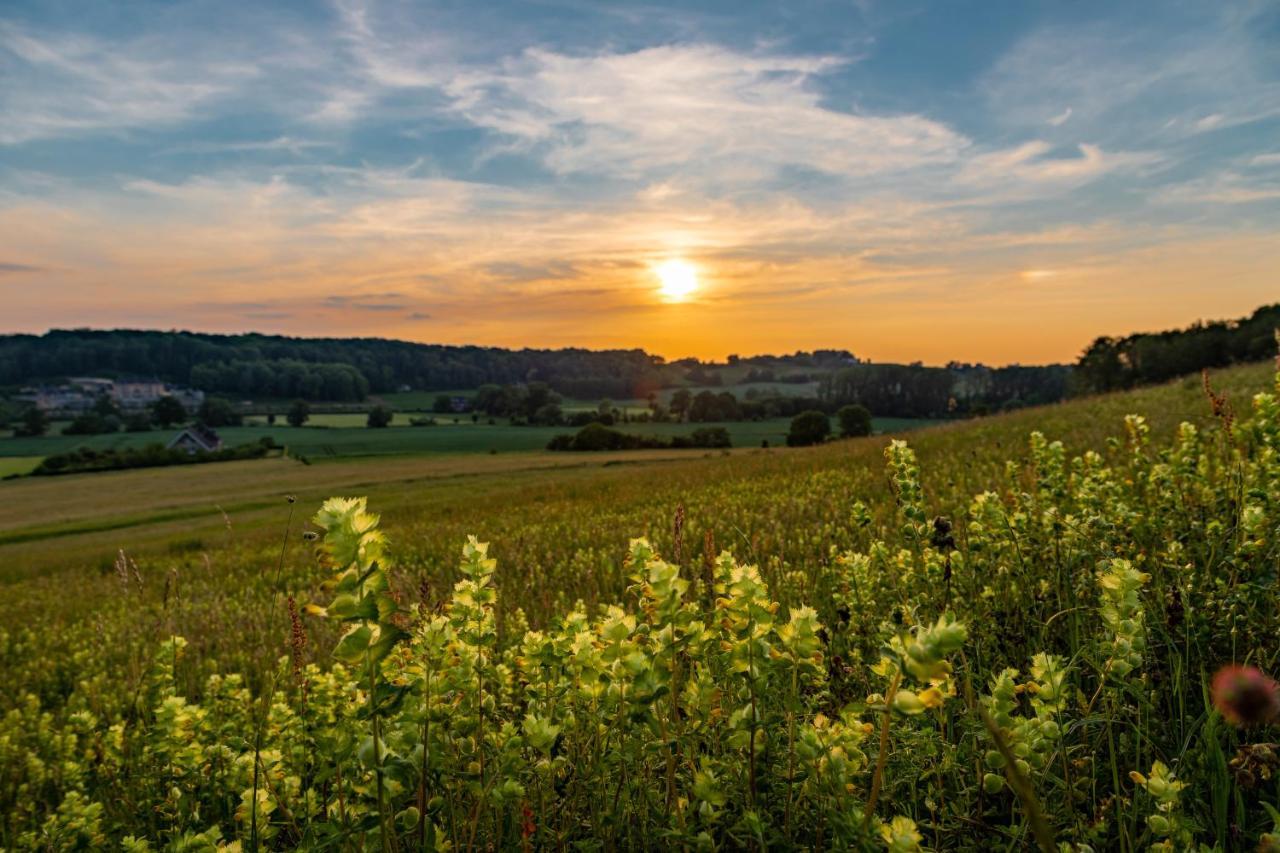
[[995, 634], [344, 435], [17, 464]]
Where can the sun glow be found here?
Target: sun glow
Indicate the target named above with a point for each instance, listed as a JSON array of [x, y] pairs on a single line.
[[677, 280]]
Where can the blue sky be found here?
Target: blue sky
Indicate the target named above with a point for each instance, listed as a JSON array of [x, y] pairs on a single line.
[[996, 181]]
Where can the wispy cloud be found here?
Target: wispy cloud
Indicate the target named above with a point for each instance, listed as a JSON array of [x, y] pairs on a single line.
[[66, 84], [279, 143], [1141, 81], [1033, 164], [708, 109], [10, 267]]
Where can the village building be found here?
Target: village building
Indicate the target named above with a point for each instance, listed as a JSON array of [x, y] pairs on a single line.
[[197, 439], [80, 393]]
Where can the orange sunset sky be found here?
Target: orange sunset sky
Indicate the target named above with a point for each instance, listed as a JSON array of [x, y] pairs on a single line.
[[906, 182]]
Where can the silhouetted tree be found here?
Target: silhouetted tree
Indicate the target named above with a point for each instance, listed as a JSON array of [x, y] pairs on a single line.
[[34, 422], [299, 413], [167, 411], [854, 420], [808, 428], [218, 412]]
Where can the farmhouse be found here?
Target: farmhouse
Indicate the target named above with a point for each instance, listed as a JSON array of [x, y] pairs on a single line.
[[197, 439]]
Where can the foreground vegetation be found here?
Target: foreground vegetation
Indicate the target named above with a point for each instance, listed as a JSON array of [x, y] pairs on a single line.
[[973, 655]]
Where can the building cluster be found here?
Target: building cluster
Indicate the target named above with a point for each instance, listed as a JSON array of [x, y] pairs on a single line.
[[79, 394]]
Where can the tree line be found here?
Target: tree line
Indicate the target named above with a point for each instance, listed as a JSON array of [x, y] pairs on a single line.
[[1115, 363], [275, 365], [349, 369]]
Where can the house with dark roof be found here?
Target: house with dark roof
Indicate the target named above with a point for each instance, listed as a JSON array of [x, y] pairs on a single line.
[[197, 439]]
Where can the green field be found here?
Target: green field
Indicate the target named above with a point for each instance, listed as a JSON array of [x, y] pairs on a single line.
[[10, 465], [320, 442], [1088, 602]]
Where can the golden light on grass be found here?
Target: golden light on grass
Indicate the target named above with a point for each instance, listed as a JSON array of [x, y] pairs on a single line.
[[677, 280]]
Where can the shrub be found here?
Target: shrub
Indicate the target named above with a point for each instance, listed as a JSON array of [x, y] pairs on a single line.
[[855, 420], [167, 411], [299, 413], [712, 437], [218, 412], [811, 427], [379, 417], [34, 422], [85, 459]]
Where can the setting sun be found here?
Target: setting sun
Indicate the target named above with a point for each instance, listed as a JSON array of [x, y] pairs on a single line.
[[677, 280]]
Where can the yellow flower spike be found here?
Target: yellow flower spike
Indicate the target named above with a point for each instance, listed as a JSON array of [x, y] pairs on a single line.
[[909, 703], [932, 697]]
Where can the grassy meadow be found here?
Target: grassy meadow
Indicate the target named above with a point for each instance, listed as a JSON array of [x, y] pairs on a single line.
[[796, 655]]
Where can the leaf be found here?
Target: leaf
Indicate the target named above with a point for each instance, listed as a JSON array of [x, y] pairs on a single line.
[[353, 645]]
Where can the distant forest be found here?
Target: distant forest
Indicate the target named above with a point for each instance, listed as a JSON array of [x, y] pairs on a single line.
[[335, 369], [349, 369], [1111, 364]]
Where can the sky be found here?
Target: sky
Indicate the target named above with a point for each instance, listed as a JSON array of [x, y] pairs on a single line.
[[986, 181]]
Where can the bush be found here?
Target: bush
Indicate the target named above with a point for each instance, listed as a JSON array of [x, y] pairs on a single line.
[[85, 459], [380, 417], [34, 422], [855, 420], [808, 428], [597, 436], [138, 422], [218, 412], [168, 411], [564, 441], [711, 437], [299, 413]]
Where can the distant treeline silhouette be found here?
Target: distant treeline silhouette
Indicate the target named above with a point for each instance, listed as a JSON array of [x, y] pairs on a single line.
[[348, 369], [335, 369], [1114, 363]]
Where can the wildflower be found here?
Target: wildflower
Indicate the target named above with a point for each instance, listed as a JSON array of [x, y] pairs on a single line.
[[1245, 696], [900, 835], [1122, 612], [1166, 821]]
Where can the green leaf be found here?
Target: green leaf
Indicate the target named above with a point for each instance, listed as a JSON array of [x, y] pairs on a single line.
[[352, 647]]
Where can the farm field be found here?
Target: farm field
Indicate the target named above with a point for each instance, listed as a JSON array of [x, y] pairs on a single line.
[[846, 676], [17, 464], [344, 435]]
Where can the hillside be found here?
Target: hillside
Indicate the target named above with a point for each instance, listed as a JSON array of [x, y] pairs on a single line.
[[80, 637]]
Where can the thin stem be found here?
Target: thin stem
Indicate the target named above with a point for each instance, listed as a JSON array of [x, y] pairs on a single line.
[[878, 778]]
